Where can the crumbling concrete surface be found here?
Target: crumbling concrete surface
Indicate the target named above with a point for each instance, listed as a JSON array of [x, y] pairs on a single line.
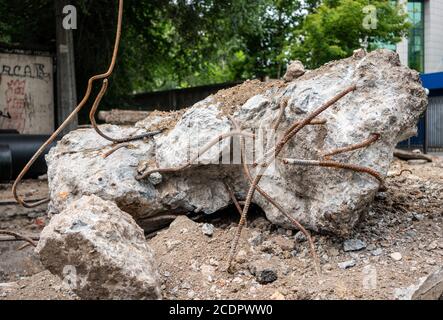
[[388, 101], [100, 252]]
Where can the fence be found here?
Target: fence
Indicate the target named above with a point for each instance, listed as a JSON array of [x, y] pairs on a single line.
[[176, 99], [435, 123]]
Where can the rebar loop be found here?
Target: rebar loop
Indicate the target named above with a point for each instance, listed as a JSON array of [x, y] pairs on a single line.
[[71, 116]]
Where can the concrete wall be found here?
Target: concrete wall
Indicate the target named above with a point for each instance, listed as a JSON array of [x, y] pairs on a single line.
[[26, 93], [433, 36]]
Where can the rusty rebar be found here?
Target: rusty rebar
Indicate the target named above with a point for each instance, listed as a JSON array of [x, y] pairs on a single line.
[[298, 125], [71, 116], [337, 165], [296, 223], [290, 133], [115, 148], [400, 173], [373, 138], [233, 198], [19, 236], [101, 133], [204, 149]]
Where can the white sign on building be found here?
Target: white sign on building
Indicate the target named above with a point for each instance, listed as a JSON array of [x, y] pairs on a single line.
[[26, 93]]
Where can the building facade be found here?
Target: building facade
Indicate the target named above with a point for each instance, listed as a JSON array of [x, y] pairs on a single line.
[[423, 51]]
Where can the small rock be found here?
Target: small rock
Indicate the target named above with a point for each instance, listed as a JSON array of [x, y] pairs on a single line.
[[256, 239], [194, 266], [264, 271], [347, 264], [396, 256], [155, 178], [269, 247], [191, 294], [213, 262], [266, 276], [353, 245], [377, 252], [237, 280], [241, 256], [333, 252], [381, 196], [172, 244], [431, 262], [186, 285], [208, 272], [411, 233], [327, 267], [294, 71], [208, 229], [277, 296], [300, 237], [284, 243], [43, 177], [261, 223], [167, 274], [433, 245], [417, 216]]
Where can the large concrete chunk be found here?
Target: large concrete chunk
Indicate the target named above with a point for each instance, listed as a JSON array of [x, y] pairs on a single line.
[[388, 100], [99, 251]]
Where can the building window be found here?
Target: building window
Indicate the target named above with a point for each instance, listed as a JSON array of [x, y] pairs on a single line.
[[416, 35]]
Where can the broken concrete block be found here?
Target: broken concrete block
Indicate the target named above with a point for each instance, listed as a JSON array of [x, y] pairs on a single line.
[[388, 101], [431, 288], [100, 252], [295, 70]]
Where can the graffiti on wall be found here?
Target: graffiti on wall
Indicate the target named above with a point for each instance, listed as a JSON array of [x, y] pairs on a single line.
[[26, 93]]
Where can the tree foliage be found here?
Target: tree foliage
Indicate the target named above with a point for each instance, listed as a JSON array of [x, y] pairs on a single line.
[[180, 43], [336, 28]]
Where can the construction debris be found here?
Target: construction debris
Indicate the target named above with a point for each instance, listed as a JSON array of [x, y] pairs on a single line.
[[183, 252], [386, 103], [100, 252]]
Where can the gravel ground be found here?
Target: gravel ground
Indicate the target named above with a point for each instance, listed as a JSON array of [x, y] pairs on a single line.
[[394, 248]]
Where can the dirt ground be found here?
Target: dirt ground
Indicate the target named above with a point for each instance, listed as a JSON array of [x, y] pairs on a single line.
[[400, 243]]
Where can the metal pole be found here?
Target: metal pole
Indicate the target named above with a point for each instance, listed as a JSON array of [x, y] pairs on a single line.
[[66, 87], [425, 141]]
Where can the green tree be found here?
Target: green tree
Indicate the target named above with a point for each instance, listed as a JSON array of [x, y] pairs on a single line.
[[336, 29]]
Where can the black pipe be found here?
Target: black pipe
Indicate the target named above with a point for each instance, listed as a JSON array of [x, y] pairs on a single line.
[[15, 152], [8, 131], [5, 162]]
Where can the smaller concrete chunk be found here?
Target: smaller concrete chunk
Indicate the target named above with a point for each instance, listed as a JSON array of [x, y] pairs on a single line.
[[100, 252]]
